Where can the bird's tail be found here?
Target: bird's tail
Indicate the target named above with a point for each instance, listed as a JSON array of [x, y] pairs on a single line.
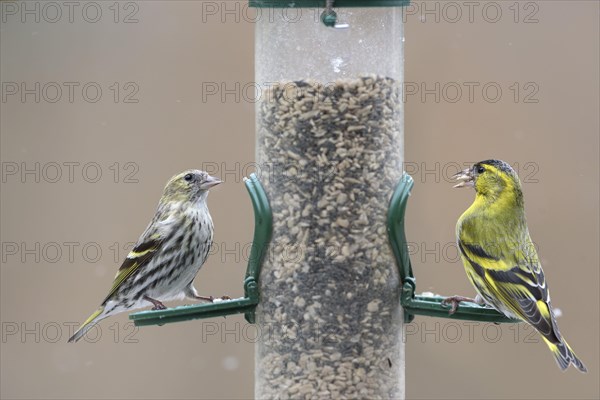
[[88, 324], [564, 355]]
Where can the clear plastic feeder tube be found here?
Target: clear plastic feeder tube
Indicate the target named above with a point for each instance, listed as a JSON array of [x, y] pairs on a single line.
[[330, 152]]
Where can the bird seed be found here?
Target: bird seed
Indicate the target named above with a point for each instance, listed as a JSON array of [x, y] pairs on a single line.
[[330, 313]]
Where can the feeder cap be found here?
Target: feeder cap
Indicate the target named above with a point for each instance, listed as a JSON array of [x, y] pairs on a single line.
[[321, 3]]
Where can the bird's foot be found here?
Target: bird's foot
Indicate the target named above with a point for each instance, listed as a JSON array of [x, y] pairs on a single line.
[[454, 301], [157, 304]]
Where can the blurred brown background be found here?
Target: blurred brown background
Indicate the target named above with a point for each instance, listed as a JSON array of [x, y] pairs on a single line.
[[543, 55]]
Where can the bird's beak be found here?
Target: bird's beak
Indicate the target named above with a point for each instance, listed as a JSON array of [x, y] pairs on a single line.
[[465, 178], [210, 182]]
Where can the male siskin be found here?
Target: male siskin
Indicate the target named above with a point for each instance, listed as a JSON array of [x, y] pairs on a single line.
[[500, 258], [168, 255]]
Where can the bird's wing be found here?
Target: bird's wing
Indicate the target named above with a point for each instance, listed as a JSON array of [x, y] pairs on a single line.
[[516, 279], [140, 255], [523, 289]]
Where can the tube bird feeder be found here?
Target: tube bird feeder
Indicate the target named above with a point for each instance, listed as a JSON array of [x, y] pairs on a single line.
[[330, 145]]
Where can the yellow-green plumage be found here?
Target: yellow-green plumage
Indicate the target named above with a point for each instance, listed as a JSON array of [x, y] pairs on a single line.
[[500, 258]]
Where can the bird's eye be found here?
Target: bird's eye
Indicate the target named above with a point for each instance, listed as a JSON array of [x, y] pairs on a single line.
[[188, 177], [480, 170]]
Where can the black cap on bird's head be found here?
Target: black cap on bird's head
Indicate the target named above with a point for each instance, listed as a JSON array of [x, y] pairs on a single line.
[[190, 185], [489, 177]]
